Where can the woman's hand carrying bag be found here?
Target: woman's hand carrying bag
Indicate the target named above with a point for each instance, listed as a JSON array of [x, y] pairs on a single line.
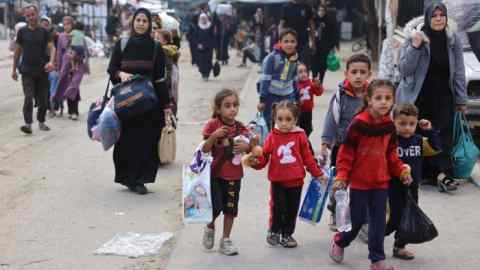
[[167, 147]]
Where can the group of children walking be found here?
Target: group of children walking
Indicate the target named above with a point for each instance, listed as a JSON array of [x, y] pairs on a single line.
[[378, 158]]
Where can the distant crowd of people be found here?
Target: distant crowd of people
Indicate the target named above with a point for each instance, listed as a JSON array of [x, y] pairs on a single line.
[[211, 32]]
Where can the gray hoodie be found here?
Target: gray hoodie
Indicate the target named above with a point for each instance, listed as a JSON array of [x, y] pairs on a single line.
[[414, 64], [342, 109]]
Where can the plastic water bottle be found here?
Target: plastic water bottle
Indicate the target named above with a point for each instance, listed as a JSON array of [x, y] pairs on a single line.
[[342, 211]]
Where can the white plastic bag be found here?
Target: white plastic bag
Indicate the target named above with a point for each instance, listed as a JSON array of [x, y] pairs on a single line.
[[134, 245], [108, 127]]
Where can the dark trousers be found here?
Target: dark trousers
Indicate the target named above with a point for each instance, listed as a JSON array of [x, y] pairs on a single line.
[[284, 203], [397, 197], [375, 203], [35, 87], [319, 62], [303, 51], [305, 122], [247, 54], [73, 105], [57, 105], [205, 62]]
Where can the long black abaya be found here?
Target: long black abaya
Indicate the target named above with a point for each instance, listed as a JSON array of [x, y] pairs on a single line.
[[436, 101], [136, 153]]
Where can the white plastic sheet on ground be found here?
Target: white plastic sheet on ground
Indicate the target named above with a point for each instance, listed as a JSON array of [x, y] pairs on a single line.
[[134, 245]]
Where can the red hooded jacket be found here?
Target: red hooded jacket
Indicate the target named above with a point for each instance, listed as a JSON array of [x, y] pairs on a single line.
[[289, 154], [308, 90], [368, 158]]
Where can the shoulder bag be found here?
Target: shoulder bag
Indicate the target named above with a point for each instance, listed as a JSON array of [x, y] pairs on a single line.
[[167, 147], [137, 96]]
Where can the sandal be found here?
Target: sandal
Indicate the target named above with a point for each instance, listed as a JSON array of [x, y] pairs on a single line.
[[403, 254], [447, 184]]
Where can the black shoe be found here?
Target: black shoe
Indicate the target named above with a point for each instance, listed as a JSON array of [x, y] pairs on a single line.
[[141, 189], [26, 129], [446, 185]]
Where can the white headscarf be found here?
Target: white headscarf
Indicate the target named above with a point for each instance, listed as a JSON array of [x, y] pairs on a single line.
[[203, 25]]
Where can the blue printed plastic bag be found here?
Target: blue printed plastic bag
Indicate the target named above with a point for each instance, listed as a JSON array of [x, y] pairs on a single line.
[[315, 199], [259, 127], [196, 192]]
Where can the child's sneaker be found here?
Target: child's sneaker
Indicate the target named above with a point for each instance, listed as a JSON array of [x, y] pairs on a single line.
[[288, 242], [273, 239], [380, 265], [43, 127], [336, 252], [208, 237], [227, 247]]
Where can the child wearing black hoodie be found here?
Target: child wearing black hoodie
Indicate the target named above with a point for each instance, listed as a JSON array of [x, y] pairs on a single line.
[[411, 150]]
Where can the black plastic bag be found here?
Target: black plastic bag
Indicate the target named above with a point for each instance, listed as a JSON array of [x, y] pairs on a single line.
[[415, 227], [216, 69]]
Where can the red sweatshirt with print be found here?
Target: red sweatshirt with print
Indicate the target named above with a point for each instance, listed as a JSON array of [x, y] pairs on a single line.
[[368, 158], [289, 154], [307, 91]]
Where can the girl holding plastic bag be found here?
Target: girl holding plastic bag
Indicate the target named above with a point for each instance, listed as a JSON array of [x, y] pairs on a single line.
[[367, 160], [226, 138]]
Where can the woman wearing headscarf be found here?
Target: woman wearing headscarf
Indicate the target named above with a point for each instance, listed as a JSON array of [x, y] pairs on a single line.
[[136, 153], [205, 41], [433, 77], [325, 40]]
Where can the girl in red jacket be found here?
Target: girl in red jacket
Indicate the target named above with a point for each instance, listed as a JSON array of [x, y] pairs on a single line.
[[367, 160], [307, 90], [287, 149]]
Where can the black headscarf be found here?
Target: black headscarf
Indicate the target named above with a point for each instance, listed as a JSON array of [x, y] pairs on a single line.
[[438, 39], [147, 13]]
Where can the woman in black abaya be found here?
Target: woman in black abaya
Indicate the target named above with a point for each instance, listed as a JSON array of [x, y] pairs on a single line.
[[136, 153]]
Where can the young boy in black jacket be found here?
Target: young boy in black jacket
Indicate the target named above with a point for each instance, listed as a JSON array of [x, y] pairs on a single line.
[[411, 150]]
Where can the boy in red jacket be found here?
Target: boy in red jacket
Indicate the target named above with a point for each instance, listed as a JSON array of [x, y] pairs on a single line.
[[307, 89], [287, 149]]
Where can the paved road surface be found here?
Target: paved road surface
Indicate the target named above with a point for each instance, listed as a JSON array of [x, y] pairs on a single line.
[[58, 201]]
